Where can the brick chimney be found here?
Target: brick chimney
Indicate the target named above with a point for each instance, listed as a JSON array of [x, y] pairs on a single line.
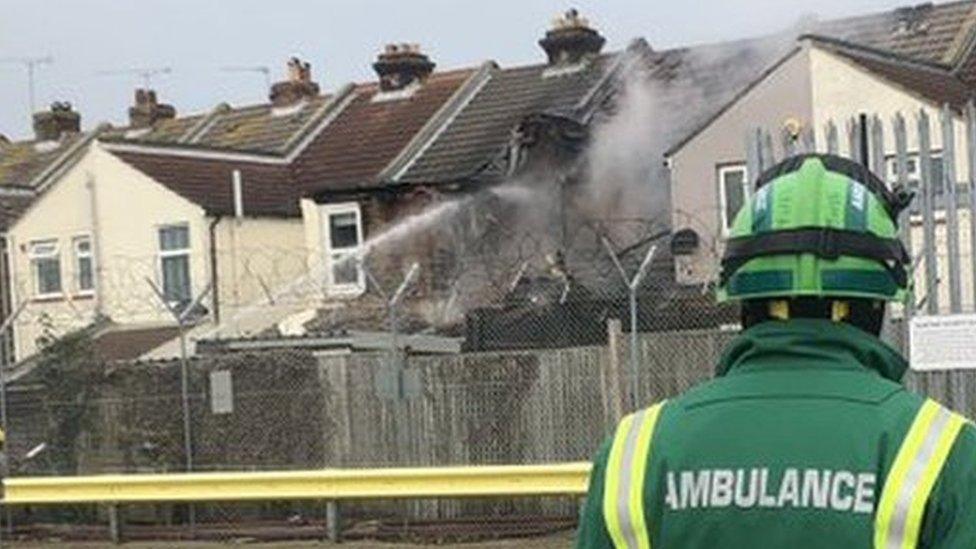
[[146, 110], [400, 65], [571, 39], [298, 86], [51, 124]]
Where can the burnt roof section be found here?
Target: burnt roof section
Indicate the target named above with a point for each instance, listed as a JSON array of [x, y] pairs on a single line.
[[690, 86], [371, 131], [267, 189], [481, 130], [932, 81], [927, 32]]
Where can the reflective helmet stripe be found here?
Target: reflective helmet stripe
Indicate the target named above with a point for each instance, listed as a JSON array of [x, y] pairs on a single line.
[[623, 495], [917, 465]]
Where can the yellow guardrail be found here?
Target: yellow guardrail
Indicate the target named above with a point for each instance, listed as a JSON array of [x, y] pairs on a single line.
[[325, 484]]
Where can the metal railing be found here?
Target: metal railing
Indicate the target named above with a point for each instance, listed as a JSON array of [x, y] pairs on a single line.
[[327, 484]]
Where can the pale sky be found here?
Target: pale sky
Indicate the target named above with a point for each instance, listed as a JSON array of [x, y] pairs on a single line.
[[196, 38]]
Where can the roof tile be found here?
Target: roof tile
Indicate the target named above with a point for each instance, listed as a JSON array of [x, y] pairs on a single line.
[[370, 132], [937, 28], [21, 162], [267, 188]]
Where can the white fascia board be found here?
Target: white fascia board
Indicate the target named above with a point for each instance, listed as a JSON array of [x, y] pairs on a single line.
[[192, 153]]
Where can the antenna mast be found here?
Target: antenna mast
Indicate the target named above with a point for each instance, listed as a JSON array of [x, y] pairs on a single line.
[[146, 73], [30, 63]]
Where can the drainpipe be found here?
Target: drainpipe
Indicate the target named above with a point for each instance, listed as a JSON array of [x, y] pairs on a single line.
[[96, 244], [6, 302], [215, 288]]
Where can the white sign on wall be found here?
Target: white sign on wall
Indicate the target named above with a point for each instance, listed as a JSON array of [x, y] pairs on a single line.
[[221, 392], [943, 342]]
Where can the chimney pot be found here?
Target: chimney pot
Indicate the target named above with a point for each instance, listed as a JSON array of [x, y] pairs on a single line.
[[571, 39], [147, 110], [60, 119], [398, 66], [298, 85]]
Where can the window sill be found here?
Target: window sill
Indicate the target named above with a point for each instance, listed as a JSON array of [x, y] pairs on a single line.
[[82, 296], [48, 298], [345, 292]]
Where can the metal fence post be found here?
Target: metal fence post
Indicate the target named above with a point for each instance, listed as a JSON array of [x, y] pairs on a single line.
[[333, 521], [971, 204], [905, 219], [753, 153], [928, 213], [115, 524], [632, 284], [185, 399], [952, 215], [182, 317], [833, 146], [877, 159], [854, 139]]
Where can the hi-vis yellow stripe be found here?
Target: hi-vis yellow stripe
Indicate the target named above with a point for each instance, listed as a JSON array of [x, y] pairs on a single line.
[[623, 496], [917, 465], [611, 487]]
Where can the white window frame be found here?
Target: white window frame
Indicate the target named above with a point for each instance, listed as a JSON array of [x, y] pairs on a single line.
[[163, 254], [78, 256], [329, 254], [33, 256], [721, 171]]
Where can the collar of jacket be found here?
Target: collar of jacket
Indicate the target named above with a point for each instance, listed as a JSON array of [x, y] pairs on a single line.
[[810, 343]]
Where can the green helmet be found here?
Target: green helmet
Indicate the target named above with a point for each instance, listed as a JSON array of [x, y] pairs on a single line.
[[817, 226]]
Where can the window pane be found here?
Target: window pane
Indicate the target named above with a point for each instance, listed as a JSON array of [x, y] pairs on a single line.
[[85, 279], [733, 182], [48, 276], [174, 238], [342, 231], [176, 278], [345, 269]]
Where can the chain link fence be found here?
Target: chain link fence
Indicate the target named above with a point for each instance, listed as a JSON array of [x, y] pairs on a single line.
[[524, 357]]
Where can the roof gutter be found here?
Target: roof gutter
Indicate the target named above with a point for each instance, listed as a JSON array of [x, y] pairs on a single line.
[[193, 152]]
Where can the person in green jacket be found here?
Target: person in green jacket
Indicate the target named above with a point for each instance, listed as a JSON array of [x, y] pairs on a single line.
[[806, 437]]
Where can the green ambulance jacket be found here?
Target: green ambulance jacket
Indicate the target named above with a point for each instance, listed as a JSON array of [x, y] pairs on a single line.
[[805, 439]]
